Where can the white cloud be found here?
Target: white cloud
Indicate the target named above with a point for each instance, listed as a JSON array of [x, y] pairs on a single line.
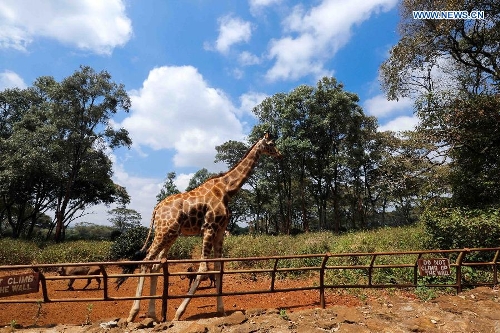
[[96, 26], [182, 181], [250, 100], [142, 190], [315, 35], [295, 57], [403, 123], [262, 3], [177, 109], [246, 59], [379, 106], [237, 73], [258, 5], [9, 79], [232, 30]]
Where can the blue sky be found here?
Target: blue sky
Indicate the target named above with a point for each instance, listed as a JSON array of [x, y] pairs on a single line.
[[194, 69]]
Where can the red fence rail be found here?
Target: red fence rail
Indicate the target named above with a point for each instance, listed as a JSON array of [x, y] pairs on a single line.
[[323, 264]]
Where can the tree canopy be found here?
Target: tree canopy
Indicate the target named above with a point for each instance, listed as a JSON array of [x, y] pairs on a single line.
[[336, 168], [60, 133], [451, 69]]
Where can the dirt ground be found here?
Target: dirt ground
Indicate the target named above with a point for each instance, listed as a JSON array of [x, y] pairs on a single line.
[[476, 310]]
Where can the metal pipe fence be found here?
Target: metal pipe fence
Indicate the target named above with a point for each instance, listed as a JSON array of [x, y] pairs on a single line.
[[333, 271]]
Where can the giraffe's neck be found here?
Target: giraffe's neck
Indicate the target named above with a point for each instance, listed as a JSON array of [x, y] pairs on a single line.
[[236, 177]]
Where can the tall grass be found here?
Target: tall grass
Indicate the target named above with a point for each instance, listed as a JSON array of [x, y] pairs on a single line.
[[387, 239], [381, 240], [75, 251], [18, 252]]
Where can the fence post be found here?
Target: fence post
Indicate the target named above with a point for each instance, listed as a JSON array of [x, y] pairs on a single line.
[[370, 270], [495, 269], [415, 270], [322, 280], [41, 279], [459, 269], [221, 274], [105, 281], [273, 274], [164, 295]]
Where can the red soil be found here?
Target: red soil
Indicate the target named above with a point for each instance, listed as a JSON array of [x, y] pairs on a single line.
[[42, 314]]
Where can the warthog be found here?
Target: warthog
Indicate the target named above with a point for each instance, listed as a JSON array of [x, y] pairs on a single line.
[[80, 270], [204, 277]]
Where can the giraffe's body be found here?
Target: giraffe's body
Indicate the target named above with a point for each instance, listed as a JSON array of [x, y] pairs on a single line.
[[202, 210]]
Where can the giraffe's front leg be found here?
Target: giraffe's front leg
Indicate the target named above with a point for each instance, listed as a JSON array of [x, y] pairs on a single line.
[[185, 302], [208, 238], [217, 267]]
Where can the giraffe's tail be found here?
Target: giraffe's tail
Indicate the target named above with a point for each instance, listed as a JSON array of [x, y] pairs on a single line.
[[137, 256], [150, 231], [129, 269]]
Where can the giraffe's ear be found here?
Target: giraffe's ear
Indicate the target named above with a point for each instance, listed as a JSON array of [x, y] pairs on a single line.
[[267, 136]]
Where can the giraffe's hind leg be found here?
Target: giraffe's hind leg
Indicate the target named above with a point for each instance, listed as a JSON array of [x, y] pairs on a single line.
[[140, 285], [152, 290], [138, 293]]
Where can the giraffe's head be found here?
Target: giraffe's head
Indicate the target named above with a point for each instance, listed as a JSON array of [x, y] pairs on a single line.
[[268, 147]]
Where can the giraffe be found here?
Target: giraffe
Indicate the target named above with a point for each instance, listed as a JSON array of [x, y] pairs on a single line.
[[202, 210]]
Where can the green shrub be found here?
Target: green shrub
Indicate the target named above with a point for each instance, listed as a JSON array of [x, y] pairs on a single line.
[[386, 239], [75, 251], [184, 248], [18, 252], [128, 243], [457, 228], [132, 240]]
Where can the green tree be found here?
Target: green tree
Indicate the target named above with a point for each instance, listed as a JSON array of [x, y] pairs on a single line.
[[451, 69], [23, 190], [169, 188], [199, 178], [123, 218], [472, 128], [88, 231], [339, 121], [60, 132], [427, 46], [283, 189], [129, 243], [323, 135], [81, 107]]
